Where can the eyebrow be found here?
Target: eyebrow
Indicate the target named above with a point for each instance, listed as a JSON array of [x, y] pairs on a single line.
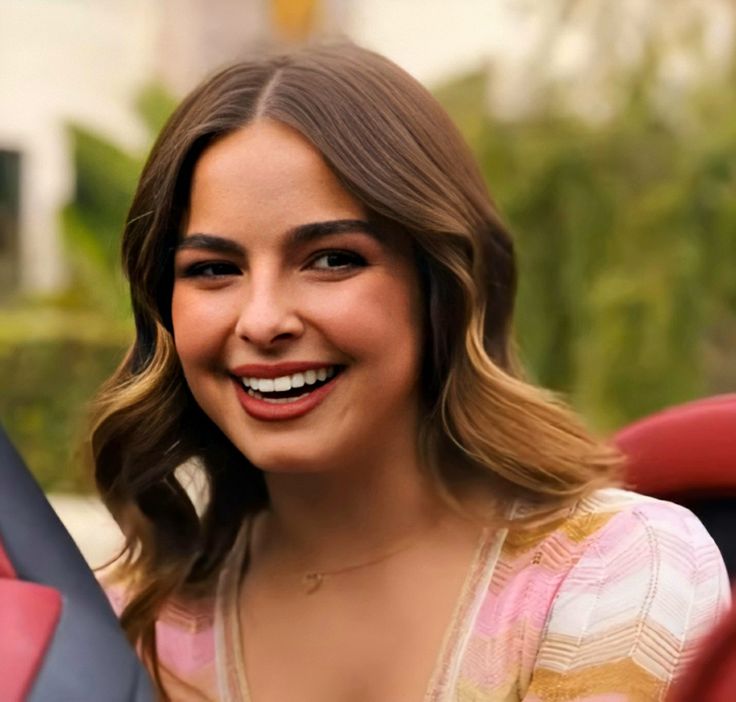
[[302, 234]]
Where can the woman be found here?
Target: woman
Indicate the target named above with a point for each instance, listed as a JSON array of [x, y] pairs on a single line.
[[323, 295]]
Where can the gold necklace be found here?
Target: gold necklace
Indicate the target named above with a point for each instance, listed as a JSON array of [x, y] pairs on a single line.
[[313, 580]]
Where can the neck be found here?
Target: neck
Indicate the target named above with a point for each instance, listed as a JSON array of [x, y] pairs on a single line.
[[326, 519]]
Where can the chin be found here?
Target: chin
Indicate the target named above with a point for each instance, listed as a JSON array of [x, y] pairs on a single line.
[[285, 462]]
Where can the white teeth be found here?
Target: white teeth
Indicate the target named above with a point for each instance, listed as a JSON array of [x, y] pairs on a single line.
[[282, 400], [283, 383]]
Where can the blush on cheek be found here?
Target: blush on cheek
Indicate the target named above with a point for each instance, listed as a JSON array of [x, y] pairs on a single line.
[[392, 317], [199, 329], [191, 348]]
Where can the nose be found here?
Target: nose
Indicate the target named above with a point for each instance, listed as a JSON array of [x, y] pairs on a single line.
[[268, 315]]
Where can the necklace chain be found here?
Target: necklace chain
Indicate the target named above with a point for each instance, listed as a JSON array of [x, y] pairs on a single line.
[[314, 579]]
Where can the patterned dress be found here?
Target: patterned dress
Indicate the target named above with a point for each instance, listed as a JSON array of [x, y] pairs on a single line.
[[606, 603]]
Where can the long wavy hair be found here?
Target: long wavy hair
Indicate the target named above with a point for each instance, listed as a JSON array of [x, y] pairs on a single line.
[[395, 150]]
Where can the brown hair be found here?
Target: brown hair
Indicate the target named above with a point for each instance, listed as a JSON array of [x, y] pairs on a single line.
[[393, 148]]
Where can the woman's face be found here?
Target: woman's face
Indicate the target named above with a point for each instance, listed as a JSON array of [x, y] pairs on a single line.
[[297, 322]]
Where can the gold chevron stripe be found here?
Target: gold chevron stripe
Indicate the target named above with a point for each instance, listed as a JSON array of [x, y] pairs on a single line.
[[623, 677], [577, 528]]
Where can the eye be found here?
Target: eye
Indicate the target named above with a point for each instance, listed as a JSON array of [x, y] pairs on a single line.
[[337, 261], [210, 269]]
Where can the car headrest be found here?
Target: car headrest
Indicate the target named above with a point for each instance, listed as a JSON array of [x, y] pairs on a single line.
[[686, 450]]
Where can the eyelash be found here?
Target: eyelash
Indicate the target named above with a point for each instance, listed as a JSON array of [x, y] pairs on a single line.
[[354, 260], [198, 270], [348, 260]]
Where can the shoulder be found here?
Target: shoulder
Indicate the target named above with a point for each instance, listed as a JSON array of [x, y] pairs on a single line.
[[637, 540], [613, 578], [612, 522], [641, 557], [640, 585], [185, 638], [609, 530], [114, 586], [619, 541]]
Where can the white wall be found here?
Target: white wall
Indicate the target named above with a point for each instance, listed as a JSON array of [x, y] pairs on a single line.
[[435, 39], [63, 60]]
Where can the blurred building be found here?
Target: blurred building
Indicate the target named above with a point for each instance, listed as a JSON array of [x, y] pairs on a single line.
[[196, 36], [84, 61], [59, 61]]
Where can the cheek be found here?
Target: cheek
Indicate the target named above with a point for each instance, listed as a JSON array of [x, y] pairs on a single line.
[[199, 327], [379, 321]]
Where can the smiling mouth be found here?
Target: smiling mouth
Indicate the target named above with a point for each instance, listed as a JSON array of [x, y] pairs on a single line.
[[290, 388]]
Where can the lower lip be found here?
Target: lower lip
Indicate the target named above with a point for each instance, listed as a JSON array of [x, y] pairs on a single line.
[[276, 412]]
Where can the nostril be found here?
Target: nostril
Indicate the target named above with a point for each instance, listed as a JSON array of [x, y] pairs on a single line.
[[268, 329]]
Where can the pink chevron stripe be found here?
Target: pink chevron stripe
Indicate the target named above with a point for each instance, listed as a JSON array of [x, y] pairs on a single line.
[[183, 652]]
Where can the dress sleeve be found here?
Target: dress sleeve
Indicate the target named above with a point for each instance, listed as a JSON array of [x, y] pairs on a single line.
[[629, 614]]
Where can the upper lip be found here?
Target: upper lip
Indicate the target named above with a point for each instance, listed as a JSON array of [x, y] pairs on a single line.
[[276, 370]]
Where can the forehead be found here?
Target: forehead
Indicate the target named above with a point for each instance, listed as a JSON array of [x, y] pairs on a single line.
[[267, 171], [269, 144], [261, 183]]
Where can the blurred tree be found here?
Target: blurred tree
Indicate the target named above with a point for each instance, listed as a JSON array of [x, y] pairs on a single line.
[[105, 179], [626, 228], [54, 353]]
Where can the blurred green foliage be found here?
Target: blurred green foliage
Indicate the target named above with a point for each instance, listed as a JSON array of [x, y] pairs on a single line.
[[626, 233], [55, 352], [105, 180], [45, 390], [91, 223]]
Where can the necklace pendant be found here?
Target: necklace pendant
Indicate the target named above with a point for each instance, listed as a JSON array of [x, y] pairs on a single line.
[[312, 582]]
